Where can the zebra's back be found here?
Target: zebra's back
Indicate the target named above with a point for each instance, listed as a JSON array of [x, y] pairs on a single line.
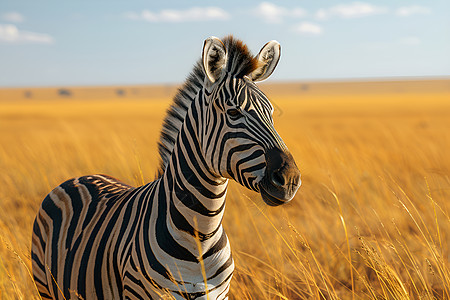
[[76, 245]]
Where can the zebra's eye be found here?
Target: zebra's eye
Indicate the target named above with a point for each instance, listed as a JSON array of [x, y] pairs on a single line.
[[234, 113]]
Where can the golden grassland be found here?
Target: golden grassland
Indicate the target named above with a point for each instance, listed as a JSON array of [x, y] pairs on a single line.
[[371, 220]]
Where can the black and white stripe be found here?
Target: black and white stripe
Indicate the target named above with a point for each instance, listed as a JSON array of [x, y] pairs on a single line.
[[97, 238]]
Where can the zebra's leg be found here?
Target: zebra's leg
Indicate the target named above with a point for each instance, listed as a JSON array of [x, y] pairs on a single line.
[[38, 260]]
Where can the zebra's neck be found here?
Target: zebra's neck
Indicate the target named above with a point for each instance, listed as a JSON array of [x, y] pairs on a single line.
[[195, 196]]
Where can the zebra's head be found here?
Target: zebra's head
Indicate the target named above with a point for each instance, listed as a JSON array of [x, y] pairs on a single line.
[[239, 140]]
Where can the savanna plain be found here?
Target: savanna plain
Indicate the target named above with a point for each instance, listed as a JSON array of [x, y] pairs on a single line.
[[370, 221]]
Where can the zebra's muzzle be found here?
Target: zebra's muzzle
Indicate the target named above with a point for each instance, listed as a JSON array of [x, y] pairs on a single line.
[[282, 178]]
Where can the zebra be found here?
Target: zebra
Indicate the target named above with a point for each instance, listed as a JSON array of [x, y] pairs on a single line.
[[95, 237]]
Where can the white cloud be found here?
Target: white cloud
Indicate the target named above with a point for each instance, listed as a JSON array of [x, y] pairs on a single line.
[[10, 34], [352, 10], [406, 11], [410, 41], [307, 28], [273, 13], [188, 15], [322, 14], [13, 17]]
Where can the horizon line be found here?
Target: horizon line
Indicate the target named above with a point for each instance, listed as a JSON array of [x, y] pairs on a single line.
[[276, 81]]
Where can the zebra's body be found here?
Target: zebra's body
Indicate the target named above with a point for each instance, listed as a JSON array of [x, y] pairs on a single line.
[[97, 238]]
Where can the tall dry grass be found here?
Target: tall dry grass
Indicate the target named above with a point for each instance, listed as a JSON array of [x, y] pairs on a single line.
[[371, 220]]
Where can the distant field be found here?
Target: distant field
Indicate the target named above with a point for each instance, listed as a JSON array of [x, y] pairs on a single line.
[[297, 89], [371, 220]]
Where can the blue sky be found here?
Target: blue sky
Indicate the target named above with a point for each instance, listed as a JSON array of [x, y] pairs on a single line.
[[54, 43]]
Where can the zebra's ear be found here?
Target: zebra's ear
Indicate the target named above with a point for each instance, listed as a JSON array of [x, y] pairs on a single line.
[[268, 59], [214, 57]]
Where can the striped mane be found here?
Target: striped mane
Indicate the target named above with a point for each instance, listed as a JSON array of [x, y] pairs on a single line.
[[240, 63]]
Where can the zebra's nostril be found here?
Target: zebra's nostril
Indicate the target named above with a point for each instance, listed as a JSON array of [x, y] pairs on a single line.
[[277, 178]]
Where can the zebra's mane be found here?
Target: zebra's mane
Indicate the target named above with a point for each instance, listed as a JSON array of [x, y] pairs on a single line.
[[240, 63]]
